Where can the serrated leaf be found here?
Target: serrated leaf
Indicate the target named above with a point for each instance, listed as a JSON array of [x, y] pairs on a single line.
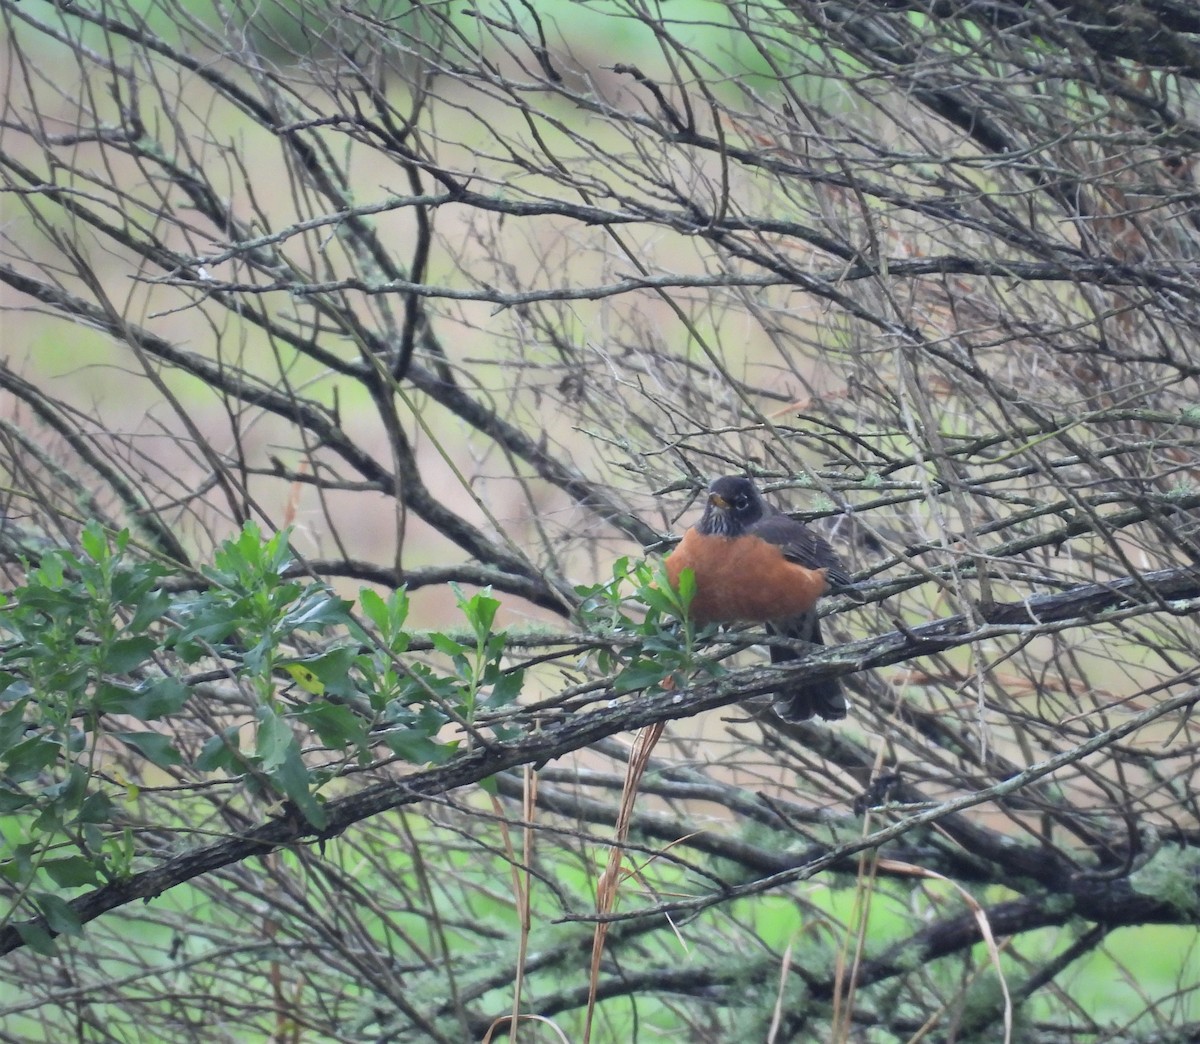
[[277, 552]]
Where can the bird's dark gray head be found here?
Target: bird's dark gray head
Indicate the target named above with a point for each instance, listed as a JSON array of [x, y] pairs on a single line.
[[734, 505]]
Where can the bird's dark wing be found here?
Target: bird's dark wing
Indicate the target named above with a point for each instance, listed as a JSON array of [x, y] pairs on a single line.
[[801, 545], [806, 547]]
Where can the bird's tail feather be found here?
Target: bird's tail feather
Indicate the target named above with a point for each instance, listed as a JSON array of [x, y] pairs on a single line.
[[823, 698]]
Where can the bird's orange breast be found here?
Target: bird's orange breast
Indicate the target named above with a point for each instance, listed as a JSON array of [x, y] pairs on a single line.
[[743, 578]]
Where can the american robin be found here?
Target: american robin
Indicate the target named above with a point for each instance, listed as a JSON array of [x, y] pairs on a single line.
[[756, 565]]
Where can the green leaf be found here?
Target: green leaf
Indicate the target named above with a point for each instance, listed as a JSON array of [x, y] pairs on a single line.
[[159, 698], [153, 746], [641, 674], [150, 606], [276, 552], [51, 571], [507, 688], [12, 725], [443, 643], [423, 685], [290, 777], [221, 752], [337, 726], [664, 600], [94, 542], [316, 609], [416, 747], [275, 739], [388, 616], [20, 867], [147, 702], [333, 670], [70, 789], [248, 558], [374, 608], [59, 914], [127, 654], [26, 759], [687, 586], [72, 871], [208, 620], [97, 807], [12, 799], [480, 611], [35, 936]]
